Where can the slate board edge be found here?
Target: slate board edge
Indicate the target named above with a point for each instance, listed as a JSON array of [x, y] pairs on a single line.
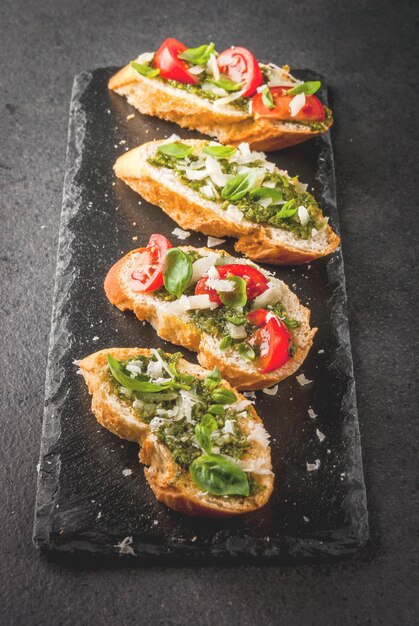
[[49, 465]]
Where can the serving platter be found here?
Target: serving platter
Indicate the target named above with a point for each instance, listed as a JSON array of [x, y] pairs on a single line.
[[92, 497]]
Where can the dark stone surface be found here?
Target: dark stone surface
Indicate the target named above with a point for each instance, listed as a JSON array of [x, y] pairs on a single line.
[[362, 48], [84, 503]]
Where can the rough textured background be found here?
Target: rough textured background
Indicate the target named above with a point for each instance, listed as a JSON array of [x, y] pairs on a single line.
[[363, 48]]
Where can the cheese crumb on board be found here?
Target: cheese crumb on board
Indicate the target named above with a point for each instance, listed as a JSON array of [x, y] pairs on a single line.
[[320, 435], [125, 546], [214, 241], [312, 415], [271, 391], [312, 467], [303, 380], [127, 472], [180, 233]]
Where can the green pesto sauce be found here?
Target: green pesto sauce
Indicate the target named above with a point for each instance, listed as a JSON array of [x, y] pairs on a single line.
[[179, 434]]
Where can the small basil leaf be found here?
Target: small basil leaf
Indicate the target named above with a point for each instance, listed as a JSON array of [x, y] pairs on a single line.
[[213, 380], [237, 319], [266, 192], [219, 152], [246, 351], [225, 83], [219, 476], [198, 56], [267, 98], [238, 186], [145, 70], [176, 150], [203, 435], [223, 396], [208, 421], [307, 88], [144, 386], [216, 409], [288, 209], [238, 296], [177, 271], [225, 342]]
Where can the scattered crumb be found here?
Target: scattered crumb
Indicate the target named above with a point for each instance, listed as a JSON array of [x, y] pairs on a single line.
[[95, 338], [249, 394], [180, 233], [321, 352], [303, 380], [134, 223], [328, 451], [135, 238], [214, 241], [130, 116], [312, 415], [122, 142], [99, 515], [271, 391], [194, 538], [306, 519], [320, 435], [312, 467], [127, 472], [43, 226], [125, 546], [155, 522], [76, 362]]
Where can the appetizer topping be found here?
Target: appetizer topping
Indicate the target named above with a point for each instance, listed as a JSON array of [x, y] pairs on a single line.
[[234, 302], [244, 184], [148, 274], [234, 77], [199, 420]]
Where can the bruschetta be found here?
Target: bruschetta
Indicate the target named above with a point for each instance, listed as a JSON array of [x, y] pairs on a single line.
[[234, 314], [228, 191], [229, 95], [205, 449]]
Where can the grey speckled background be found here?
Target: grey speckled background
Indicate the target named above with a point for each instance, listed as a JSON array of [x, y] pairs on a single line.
[[363, 48]]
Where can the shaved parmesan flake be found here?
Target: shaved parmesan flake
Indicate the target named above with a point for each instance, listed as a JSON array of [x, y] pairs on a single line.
[[180, 233], [303, 215], [145, 57], [242, 404], [156, 422], [208, 191], [312, 467], [212, 67], [127, 472], [171, 139], [214, 171], [201, 301], [297, 104], [271, 391], [220, 285], [314, 232], [303, 380], [214, 241], [312, 415], [270, 296], [259, 435], [234, 96], [203, 265], [213, 272], [228, 427], [196, 69], [320, 435], [236, 332], [256, 466], [125, 546], [234, 213]]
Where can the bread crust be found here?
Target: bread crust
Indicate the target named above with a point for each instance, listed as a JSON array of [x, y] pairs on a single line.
[[171, 484], [153, 97], [190, 212], [181, 331]]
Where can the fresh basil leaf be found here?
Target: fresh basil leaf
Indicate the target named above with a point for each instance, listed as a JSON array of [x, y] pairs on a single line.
[[216, 409], [208, 421], [219, 476], [144, 386], [307, 88], [238, 186], [223, 396], [145, 70], [288, 209], [213, 380], [219, 152], [177, 271], [238, 319], [266, 192], [198, 56], [279, 310], [246, 351], [267, 98], [237, 297], [204, 437], [224, 83], [225, 342], [175, 150]]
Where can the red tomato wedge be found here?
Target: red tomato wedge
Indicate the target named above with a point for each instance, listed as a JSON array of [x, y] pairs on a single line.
[[241, 66], [256, 282], [313, 109], [273, 338], [148, 274], [170, 66]]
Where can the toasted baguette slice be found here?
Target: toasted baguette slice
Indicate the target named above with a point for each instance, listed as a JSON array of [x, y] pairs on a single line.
[[229, 124], [189, 209], [171, 483], [176, 326]]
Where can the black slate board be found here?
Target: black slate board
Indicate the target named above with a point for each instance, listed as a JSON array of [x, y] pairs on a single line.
[[84, 501]]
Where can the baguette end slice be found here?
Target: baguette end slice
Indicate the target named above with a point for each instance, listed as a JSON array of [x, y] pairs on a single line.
[[229, 125], [171, 484]]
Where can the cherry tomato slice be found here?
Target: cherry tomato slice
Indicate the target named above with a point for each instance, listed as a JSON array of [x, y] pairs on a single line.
[[170, 66], [313, 109], [256, 282], [241, 66], [148, 274], [273, 338]]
